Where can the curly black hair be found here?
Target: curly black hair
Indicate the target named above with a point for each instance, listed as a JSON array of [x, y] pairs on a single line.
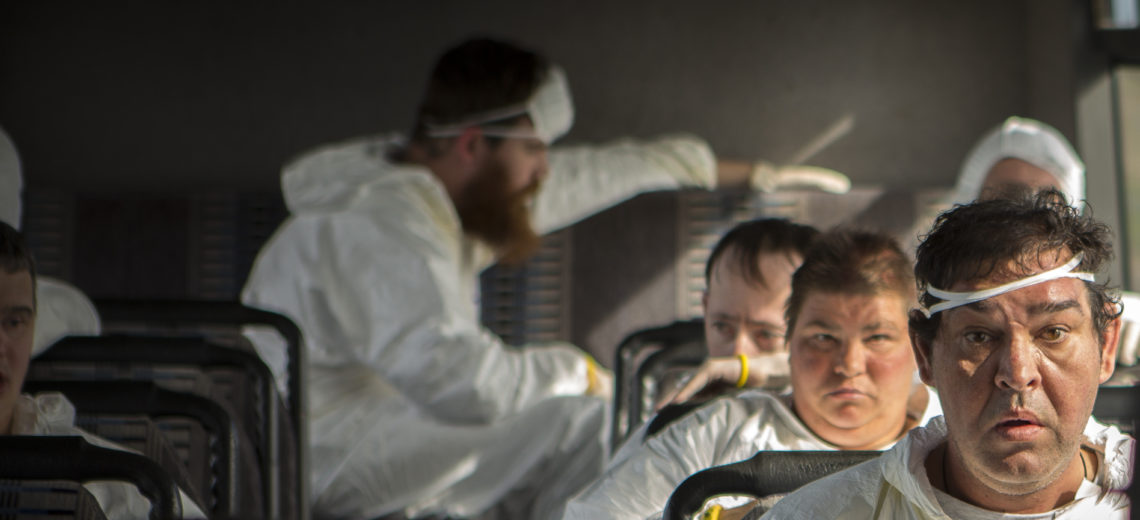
[[972, 241]]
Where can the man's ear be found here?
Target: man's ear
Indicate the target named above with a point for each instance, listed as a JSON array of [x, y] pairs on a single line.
[[1108, 346], [470, 145], [922, 352]]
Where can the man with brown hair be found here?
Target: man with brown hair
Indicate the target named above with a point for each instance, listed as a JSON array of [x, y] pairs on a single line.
[[1016, 336], [414, 407], [851, 371]]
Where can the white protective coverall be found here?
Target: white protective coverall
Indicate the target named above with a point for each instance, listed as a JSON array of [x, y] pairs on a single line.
[[413, 405], [50, 413], [730, 429], [62, 310], [1028, 140], [896, 486], [11, 182]]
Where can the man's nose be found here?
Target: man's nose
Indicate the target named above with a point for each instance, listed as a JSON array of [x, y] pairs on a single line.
[[5, 341], [1017, 367], [744, 344], [852, 359]]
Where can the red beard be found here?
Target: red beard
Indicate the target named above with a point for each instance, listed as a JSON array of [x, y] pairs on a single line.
[[492, 214]]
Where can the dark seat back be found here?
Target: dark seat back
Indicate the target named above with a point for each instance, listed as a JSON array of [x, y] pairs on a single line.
[[214, 449], [236, 378], [1120, 406], [644, 356], [206, 318], [766, 473], [47, 500], [45, 458], [140, 433], [286, 477]]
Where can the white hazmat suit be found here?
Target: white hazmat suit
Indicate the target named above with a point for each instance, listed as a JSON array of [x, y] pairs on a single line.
[[730, 429], [414, 406], [896, 485], [11, 182], [1028, 140]]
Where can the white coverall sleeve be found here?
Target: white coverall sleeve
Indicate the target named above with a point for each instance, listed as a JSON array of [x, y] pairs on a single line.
[[639, 486], [586, 179], [392, 298]]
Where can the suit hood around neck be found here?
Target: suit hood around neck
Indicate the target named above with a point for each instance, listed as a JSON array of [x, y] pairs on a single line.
[[332, 176]]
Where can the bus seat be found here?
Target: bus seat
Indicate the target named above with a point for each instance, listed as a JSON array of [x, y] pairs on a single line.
[[234, 377], [765, 474], [633, 369], [50, 458], [201, 429], [226, 319]]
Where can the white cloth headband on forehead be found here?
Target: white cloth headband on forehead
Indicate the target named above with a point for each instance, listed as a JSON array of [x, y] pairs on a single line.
[[958, 299]]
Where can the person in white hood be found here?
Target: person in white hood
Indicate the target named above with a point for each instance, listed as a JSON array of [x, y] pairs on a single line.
[[1016, 336], [414, 407], [852, 370], [1025, 154], [1020, 153]]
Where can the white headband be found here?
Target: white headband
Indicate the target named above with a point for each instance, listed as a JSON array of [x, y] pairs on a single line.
[[958, 299], [550, 110]]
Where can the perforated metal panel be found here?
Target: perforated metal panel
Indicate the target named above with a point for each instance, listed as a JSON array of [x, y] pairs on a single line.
[[704, 217], [227, 230], [48, 226], [529, 303]]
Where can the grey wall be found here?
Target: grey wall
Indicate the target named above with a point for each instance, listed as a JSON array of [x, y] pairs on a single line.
[[150, 99], [215, 95]]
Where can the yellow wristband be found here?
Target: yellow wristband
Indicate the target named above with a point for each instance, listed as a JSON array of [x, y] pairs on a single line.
[[591, 375], [713, 513], [743, 370]]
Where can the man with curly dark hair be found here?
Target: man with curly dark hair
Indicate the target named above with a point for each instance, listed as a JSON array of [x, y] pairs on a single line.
[[1016, 336]]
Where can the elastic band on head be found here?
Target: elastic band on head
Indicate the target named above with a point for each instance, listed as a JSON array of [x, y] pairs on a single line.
[[958, 299], [550, 109]]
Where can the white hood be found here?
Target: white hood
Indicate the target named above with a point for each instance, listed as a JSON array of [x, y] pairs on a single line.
[[332, 176], [11, 182]]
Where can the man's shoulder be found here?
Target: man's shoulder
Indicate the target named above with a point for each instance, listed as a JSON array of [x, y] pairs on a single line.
[[750, 421], [852, 491], [735, 408], [359, 175]]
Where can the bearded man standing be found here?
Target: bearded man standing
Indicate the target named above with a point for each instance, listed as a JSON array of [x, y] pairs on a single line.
[[414, 407]]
